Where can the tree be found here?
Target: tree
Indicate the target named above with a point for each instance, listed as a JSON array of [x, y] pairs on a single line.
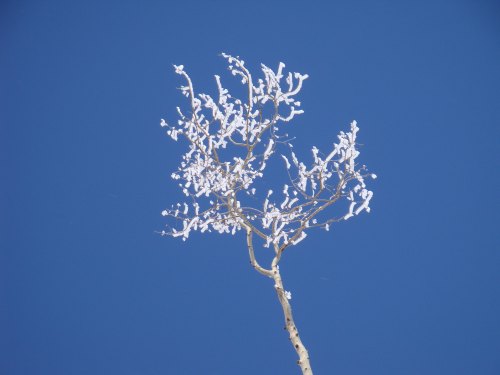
[[230, 142]]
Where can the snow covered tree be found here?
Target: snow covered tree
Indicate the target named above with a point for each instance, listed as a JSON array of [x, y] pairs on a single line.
[[230, 142]]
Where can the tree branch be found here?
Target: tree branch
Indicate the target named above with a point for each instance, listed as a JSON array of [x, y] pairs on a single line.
[[251, 253]]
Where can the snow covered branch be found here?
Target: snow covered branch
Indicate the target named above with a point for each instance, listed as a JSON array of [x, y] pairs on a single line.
[[215, 184]]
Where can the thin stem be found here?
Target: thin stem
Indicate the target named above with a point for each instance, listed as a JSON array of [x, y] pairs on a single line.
[[253, 261], [290, 326]]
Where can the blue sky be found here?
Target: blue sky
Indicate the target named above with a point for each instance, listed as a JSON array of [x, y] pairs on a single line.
[[87, 287]]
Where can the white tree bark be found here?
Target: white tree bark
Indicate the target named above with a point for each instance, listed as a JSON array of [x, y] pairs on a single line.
[[290, 326]]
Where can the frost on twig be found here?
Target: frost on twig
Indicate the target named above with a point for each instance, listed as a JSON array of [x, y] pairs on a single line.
[[214, 184]]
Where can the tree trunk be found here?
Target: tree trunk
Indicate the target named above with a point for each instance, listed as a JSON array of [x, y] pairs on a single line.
[[299, 347]]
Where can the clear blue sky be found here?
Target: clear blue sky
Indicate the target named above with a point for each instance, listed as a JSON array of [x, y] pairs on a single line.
[[87, 287]]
